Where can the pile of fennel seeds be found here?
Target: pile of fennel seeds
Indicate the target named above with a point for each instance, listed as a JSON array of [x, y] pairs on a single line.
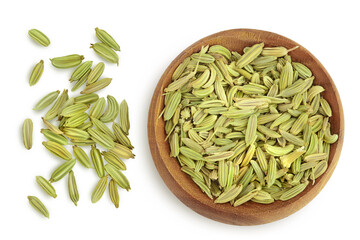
[[247, 126], [86, 120]]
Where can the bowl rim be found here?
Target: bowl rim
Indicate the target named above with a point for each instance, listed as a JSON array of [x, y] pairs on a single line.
[[249, 213]]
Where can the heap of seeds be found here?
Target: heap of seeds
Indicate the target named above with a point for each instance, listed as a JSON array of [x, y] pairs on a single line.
[[82, 121], [247, 127]]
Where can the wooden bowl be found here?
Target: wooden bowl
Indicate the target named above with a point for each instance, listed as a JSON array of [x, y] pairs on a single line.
[[186, 190]]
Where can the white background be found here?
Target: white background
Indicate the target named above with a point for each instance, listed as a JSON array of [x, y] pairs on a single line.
[[151, 34]]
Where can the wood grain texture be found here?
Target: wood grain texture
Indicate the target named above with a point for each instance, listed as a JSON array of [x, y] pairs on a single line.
[[185, 189]]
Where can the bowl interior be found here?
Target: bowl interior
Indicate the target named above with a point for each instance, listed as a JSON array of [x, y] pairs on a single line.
[[185, 189]]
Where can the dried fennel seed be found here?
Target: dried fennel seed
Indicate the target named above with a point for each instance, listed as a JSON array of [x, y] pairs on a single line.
[[247, 127], [39, 37], [83, 120]]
